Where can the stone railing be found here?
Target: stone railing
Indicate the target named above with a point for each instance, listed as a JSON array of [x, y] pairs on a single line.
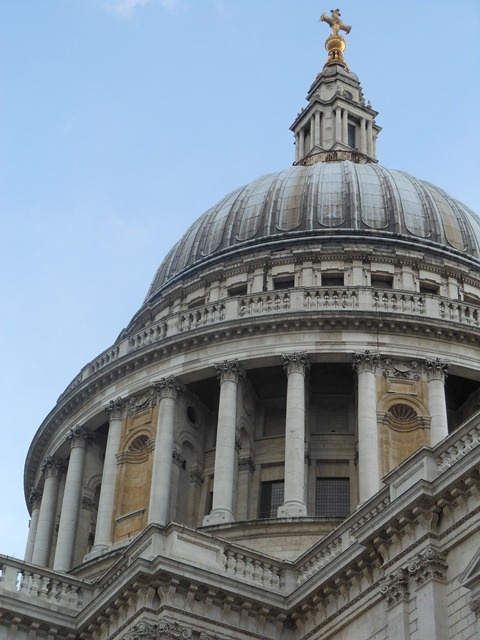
[[31, 582], [245, 566], [428, 306], [459, 443]]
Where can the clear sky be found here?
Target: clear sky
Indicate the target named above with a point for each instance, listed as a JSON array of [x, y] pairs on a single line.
[[121, 121]]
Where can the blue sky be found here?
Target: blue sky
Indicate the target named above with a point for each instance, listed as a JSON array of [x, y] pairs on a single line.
[[121, 121]]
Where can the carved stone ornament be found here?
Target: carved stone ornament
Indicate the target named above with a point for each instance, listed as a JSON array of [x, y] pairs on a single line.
[[295, 363], [428, 565], [79, 437], [398, 369], [52, 467], [365, 362], [172, 630], [34, 499], [246, 464], [115, 409], [178, 459], [142, 402], [168, 387], [395, 587], [142, 631], [88, 503], [230, 370], [475, 607], [436, 370]]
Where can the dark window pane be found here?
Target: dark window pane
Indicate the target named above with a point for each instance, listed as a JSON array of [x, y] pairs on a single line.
[[333, 497], [271, 497]]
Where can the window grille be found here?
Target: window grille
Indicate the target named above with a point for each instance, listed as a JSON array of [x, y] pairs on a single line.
[[333, 497], [271, 497]]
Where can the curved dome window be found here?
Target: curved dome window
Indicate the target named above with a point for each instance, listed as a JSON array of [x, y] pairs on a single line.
[[138, 445]]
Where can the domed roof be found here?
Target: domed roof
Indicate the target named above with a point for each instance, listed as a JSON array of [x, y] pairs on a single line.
[[323, 200]]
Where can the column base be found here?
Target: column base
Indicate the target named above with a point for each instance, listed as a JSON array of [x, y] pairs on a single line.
[[292, 510], [218, 516]]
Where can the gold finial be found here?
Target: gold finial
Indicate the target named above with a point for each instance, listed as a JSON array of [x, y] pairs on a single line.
[[335, 44]]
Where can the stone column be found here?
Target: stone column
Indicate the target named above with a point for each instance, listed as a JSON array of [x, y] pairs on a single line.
[[338, 125], [365, 365], [296, 365], [229, 373], [168, 390], [34, 501], [436, 376], [316, 140], [52, 469], [363, 142], [395, 590], [106, 502], [301, 149], [345, 127], [369, 138], [79, 438], [428, 570], [246, 468]]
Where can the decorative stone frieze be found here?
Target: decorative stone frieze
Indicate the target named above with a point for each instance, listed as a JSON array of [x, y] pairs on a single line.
[[52, 467], [229, 370], [395, 587], [475, 607], [436, 370], [366, 361], [115, 408], [428, 565], [168, 387], [295, 362], [34, 499], [79, 437], [172, 630], [396, 368]]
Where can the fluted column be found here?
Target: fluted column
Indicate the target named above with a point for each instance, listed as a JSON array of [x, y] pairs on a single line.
[[365, 365], [168, 390], [316, 141], [436, 376], [106, 502], [369, 138], [363, 140], [79, 438], [301, 148], [34, 501], [52, 469], [229, 373], [296, 366]]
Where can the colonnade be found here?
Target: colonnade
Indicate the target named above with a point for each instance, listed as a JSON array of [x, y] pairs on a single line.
[[316, 129], [167, 391]]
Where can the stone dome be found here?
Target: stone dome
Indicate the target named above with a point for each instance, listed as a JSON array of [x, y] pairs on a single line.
[[325, 200]]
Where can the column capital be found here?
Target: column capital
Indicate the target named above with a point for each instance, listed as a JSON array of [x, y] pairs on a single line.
[[178, 459], [196, 476], [428, 565], [395, 587], [115, 408], [365, 362], [436, 370], [168, 387], [246, 464], [79, 437], [52, 467], [34, 498], [230, 370], [295, 363]]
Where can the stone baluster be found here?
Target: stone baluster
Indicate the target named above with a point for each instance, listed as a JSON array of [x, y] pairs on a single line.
[[103, 532], [34, 501], [296, 366], [436, 376], [78, 438], [365, 365], [229, 373], [168, 390], [52, 469]]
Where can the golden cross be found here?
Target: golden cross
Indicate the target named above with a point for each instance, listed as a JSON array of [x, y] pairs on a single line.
[[335, 22]]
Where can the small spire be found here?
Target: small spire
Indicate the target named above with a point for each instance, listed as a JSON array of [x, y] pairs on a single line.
[[335, 44]]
